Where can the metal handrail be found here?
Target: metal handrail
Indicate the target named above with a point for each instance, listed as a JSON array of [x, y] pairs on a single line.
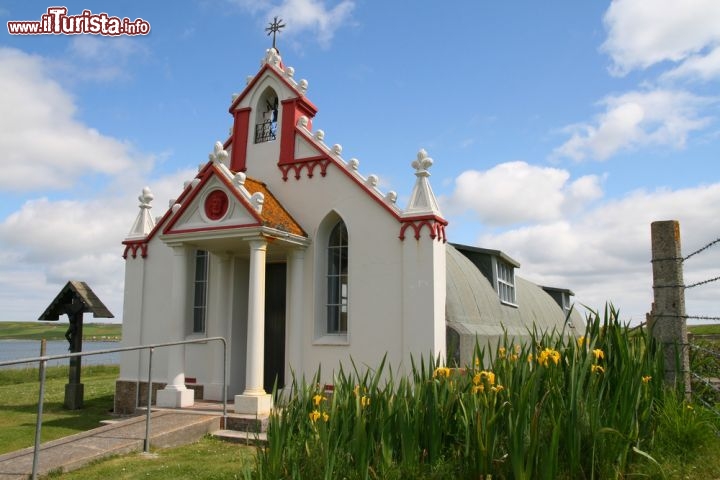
[[146, 444]]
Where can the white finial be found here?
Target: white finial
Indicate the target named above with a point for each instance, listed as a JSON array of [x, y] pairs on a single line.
[[372, 180], [391, 196], [144, 223], [146, 197], [290, 72], [239, 179], [176, 207], [303, 121], [354, 163], [422, 163], [422, 198], [219, 155], [234, 97], [337, 149], [195, 182], [272, 57], [303, 86], [257, 201], [320, 135]]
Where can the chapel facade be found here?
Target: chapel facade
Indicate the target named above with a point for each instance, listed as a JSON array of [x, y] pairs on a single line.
[[284, 248]]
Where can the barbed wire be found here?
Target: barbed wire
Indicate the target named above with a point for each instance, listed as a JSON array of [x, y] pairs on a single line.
[[705, 350], [702, 249], [697, 317], [702, 283], [682, 259], [687, 317]]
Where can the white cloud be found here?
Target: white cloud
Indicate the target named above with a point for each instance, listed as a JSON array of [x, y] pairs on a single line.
[[100, 59], [516, 192], [42, 144], [702, 68], [46, 243], [314, 15], [303, 15], [604, 254], [115, 49], [637, 119], [642, 33]]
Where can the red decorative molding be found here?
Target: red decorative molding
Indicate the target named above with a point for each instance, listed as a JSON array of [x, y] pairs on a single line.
[[309, 164], [205, 174], [133, 247], [435, 225], [240, 134], [292, 110], [279, 75]]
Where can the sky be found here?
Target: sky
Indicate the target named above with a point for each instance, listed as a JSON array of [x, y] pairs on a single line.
[[559, 130]]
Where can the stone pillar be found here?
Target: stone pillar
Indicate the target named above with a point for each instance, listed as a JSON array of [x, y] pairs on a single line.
[[254, 400], [294, 314], [175, 394], [669, 325]]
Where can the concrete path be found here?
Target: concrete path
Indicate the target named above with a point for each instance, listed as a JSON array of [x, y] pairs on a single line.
[[167, 429]]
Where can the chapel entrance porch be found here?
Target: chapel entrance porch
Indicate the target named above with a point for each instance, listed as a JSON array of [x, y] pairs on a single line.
[[254, 300]]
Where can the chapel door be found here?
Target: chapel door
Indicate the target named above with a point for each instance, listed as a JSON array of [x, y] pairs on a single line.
[[275, 282]]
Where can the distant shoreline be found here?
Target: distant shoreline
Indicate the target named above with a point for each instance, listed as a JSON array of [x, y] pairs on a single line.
[[92, 332]]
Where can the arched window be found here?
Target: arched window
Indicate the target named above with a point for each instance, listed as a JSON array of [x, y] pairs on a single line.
[[266, 117], [337, 280]]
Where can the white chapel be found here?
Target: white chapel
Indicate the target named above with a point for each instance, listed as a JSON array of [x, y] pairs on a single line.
[[284, 248]]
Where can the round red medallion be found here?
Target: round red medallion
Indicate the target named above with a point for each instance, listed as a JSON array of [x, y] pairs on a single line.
[[216, 205]]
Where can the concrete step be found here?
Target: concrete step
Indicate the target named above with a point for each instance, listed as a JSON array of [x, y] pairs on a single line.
[[235, 436]]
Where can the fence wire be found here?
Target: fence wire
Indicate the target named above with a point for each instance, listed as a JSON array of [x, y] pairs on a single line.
[[682, 259], [702, 249]]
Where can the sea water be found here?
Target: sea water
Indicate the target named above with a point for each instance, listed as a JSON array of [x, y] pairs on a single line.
[[20, 349]]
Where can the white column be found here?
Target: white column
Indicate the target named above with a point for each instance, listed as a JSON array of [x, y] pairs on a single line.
[[254, 399], [220, 324], [175, 394], [294, 314]]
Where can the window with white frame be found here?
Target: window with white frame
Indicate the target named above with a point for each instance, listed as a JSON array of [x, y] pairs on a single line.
[[200, 288], [506, 282], [337, 280]]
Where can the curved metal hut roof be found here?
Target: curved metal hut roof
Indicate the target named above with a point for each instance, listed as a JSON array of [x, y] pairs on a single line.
[[474, 312]]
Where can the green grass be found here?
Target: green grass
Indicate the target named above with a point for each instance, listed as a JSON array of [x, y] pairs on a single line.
[[704, 329], [56, 331], [207, 459], [19, 390]]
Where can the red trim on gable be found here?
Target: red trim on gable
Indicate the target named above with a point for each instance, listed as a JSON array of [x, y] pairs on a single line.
[[135, 245], [435, 224], [308, 164], [205, 175], [280, 75], [240, 132]]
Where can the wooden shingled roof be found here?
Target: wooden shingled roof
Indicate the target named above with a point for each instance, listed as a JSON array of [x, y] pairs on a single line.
[[75, 290]]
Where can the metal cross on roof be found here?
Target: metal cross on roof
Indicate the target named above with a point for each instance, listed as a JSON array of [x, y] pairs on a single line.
[[275, 26]]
